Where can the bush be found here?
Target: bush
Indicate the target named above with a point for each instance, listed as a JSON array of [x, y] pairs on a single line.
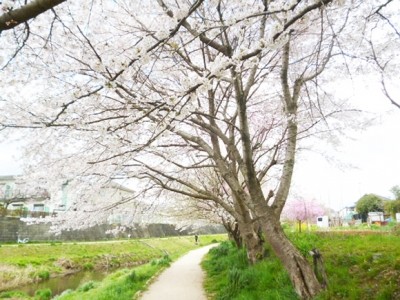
[[165, 261], [132, 276], [43, 294], [87, 286], [88, 266], [42, 274], [221, 250]]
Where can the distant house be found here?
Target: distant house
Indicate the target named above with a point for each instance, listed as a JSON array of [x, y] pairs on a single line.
[[376, 217], [346, 215], [14, 196], [117, 192]]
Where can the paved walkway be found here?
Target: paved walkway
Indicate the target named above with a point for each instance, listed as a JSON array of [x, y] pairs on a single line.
[[182, 281]]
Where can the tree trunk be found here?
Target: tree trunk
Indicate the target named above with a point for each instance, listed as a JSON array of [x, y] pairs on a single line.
[[236, 236], [234, 233], [252, 242], [300, 271]]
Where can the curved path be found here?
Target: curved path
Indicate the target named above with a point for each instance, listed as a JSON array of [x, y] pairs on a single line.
[[182, 281]]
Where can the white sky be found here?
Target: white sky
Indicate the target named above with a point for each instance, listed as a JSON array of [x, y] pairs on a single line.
[[368, 163], [9, 159]]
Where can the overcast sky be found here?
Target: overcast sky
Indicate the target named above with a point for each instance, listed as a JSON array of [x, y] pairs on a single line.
[[369, 162]]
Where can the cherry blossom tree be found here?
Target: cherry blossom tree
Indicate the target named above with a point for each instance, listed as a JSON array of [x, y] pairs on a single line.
[[302, 210], [244, 231], [16, 16], [153, 92]]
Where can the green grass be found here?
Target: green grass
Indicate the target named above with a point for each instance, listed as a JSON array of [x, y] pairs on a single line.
[[358, 267], [81, 253], [21, 265], [14, 295], [230, 277], [123, 284]]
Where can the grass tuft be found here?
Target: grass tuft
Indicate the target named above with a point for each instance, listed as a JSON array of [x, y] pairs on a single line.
[[43, 294]]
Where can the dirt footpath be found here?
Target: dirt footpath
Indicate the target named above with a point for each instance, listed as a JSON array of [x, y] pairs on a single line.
[[182, 281]]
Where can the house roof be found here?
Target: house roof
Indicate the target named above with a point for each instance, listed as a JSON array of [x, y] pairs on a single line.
[[118, 186], [7, 177]]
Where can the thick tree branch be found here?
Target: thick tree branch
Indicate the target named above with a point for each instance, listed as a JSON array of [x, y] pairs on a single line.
[[23, 14]]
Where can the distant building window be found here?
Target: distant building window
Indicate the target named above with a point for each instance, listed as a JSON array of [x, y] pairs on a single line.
[[17, 206], [38, 207]]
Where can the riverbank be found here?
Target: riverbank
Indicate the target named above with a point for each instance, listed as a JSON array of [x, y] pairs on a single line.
[[30, 263]]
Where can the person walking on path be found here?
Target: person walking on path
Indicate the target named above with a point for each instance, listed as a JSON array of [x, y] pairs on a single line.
[[182, 281]]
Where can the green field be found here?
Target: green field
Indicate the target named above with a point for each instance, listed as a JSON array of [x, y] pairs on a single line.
[[359, 266]]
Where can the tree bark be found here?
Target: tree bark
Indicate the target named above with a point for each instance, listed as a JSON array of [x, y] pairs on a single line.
[[234, 233], [300, 271], [26, 12], [252, 242]]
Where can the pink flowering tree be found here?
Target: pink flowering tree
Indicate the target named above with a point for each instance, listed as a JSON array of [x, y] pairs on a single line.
[[302, 210]]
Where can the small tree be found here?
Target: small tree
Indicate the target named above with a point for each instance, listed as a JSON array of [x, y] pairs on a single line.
[[396, 192], [302, 210], [368, 203], [393, 206]]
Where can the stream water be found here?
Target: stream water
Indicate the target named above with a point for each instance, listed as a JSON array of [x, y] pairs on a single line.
[[60, 284]]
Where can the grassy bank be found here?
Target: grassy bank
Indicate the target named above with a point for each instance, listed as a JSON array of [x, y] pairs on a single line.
[[359, 266], [23, 264], [123, 284]]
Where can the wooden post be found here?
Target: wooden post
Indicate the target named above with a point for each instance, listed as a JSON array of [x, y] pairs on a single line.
[[319, 268]]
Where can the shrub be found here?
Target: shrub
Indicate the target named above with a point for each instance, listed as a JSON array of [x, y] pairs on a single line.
[[221, 250], [131, 276], [43, 294], [88, 266], [87, 286], [165, 261], [42, 274]]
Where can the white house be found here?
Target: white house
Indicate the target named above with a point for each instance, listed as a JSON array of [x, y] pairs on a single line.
[[14, 196], [376, 217]]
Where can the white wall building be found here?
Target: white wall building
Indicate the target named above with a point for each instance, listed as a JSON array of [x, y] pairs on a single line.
[[15, 196], [323, 221]]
